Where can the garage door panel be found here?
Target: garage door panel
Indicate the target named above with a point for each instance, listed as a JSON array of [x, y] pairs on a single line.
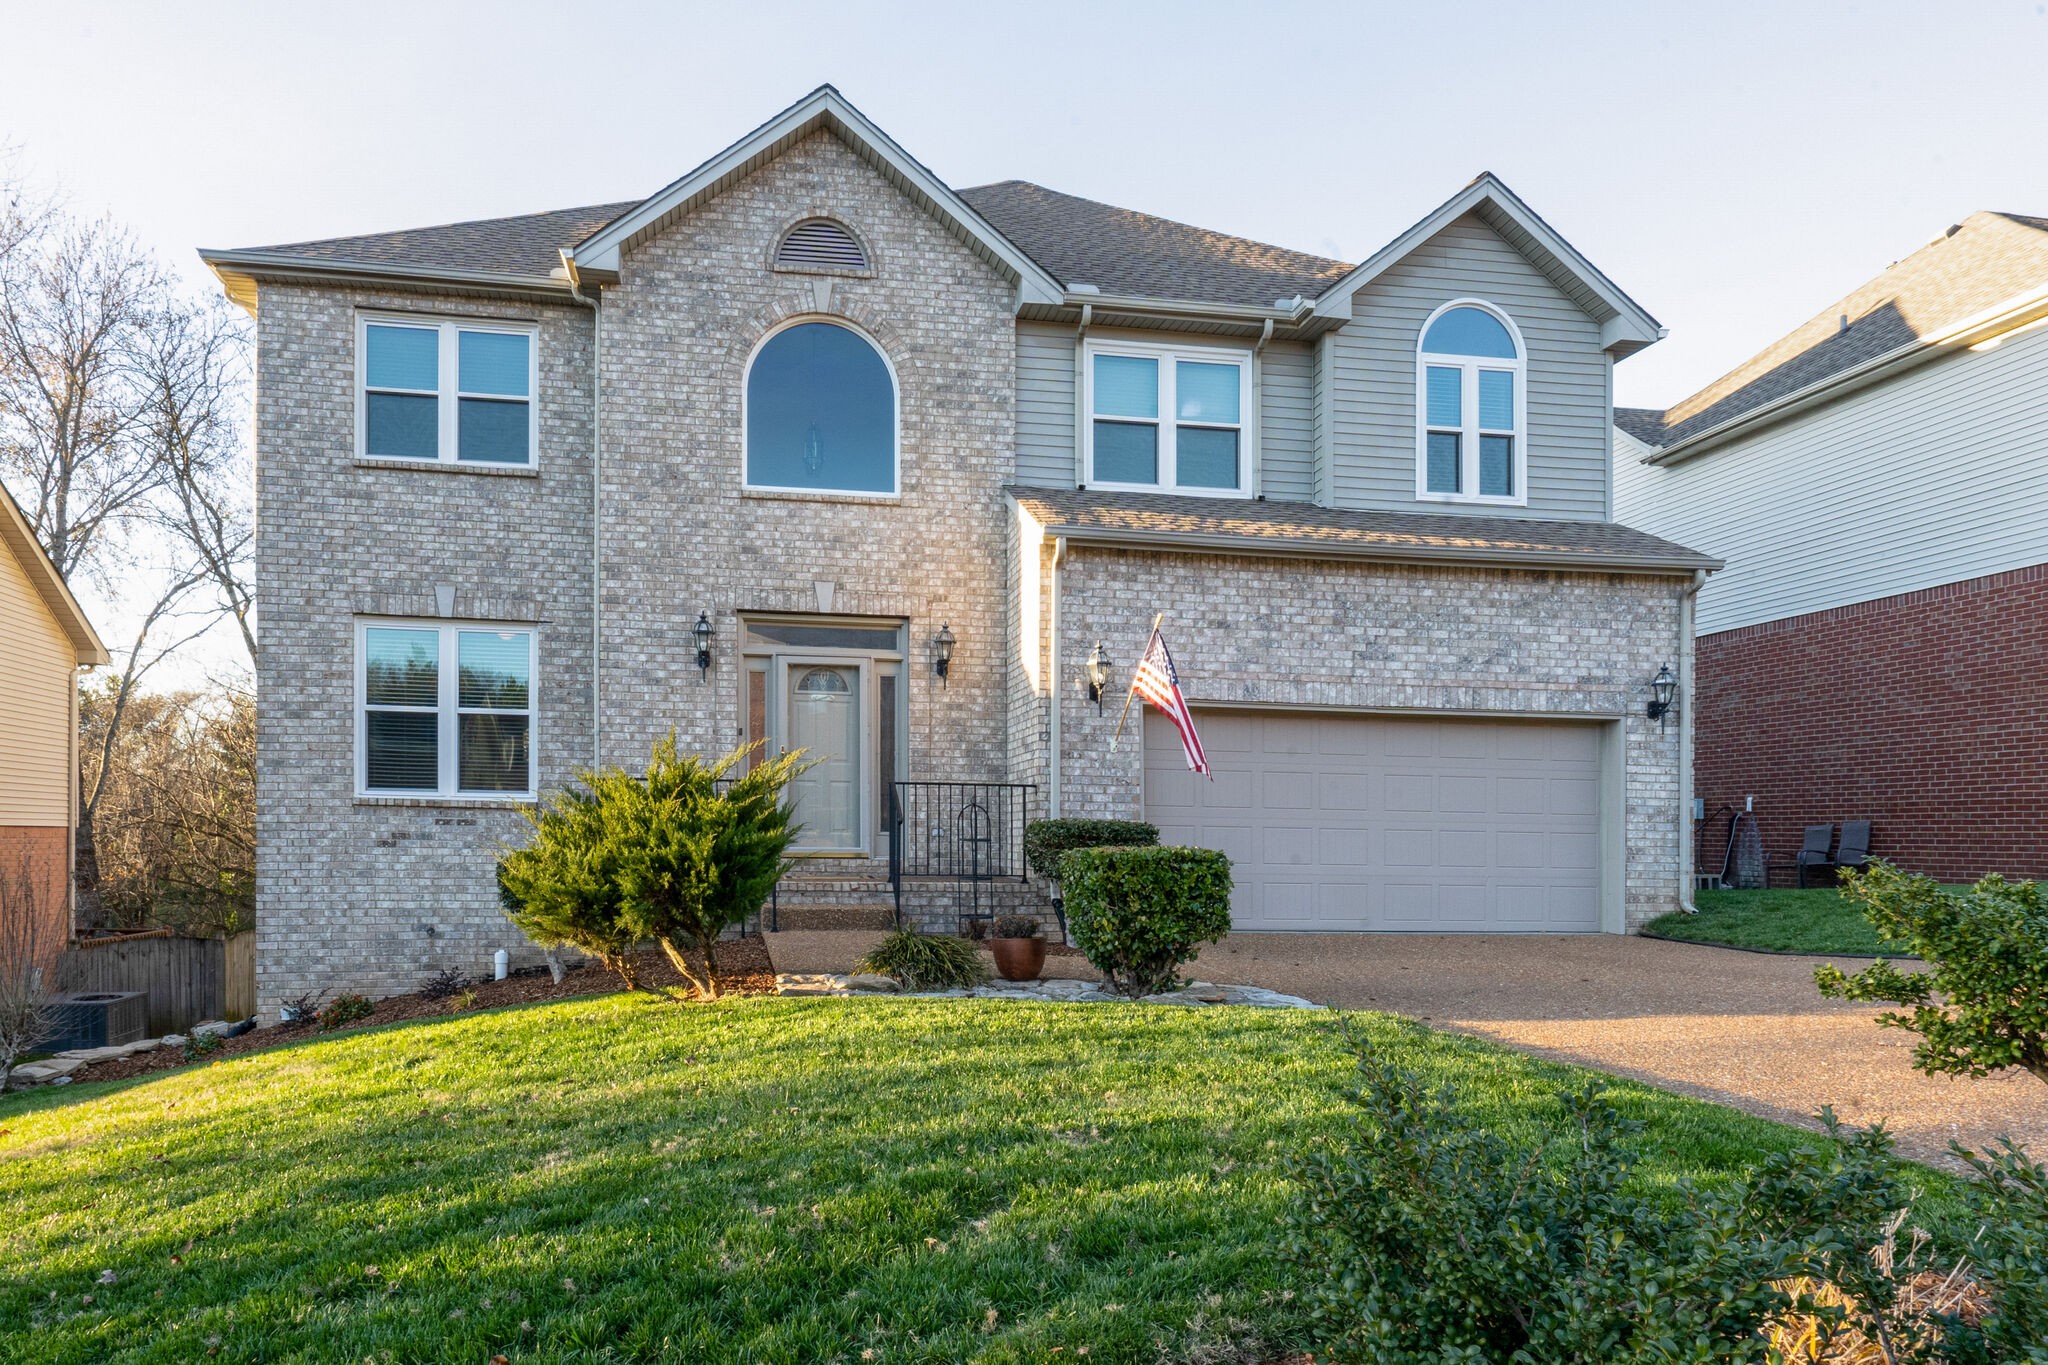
[[1227, 790], [1343, 847], [1454, 741], [1288, 846], [1521, 848], [1384, 822], [1347, 735], [1468, 795], [1286, 789], [1410, 847], [1410, 791], [1574, 796], [1343, 791], [1409, 739], [1463, 905], [1464, 848], [1572, 905], [1573, 851]]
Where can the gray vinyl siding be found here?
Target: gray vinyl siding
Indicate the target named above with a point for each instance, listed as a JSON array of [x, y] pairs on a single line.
[[1372, 416], [1287, 441], [1932, 478], [1045, 405], [1045, 412]]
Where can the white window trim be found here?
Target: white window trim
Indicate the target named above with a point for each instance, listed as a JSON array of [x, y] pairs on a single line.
[[449, 394], [895, 490], [1246, 425], [448, 707], [1469, 429]]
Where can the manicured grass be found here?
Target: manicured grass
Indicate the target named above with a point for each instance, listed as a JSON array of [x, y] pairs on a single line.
[[617, 1178], [1817, 919]]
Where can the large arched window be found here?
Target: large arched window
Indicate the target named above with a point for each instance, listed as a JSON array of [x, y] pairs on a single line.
[[821, 412], [1469, 405]]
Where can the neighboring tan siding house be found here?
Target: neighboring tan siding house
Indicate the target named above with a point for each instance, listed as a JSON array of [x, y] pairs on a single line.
[[834, 410], [1874, 480], [44, 641]]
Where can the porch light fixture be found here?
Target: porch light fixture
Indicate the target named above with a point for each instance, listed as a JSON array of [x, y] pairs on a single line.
[[702, 631], [942, 653], [1098, 675], [1663, 695]]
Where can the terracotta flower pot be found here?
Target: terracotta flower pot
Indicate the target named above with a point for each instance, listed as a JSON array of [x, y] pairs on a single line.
[[1018, 959]]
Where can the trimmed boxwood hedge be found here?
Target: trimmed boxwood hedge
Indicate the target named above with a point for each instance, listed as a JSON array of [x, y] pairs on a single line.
[[1138, 913], [1046, 840]]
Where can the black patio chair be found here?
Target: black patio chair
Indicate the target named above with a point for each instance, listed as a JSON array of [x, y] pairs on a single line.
[[1855, 849], [1814, 852]]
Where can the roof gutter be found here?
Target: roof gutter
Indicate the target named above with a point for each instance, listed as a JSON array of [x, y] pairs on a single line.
[[1294, 312], [274, 265], [1984, 329], [1207, 543]]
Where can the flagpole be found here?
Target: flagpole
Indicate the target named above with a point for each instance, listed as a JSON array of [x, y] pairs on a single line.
[[1125, 713]]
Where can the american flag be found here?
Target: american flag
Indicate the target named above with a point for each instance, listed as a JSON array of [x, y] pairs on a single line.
[[1157, 683]]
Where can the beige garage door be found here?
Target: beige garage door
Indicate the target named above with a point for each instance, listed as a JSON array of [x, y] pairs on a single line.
[[1374, 822]]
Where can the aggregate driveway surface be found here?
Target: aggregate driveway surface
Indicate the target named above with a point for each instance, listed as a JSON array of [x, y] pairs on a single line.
[[1743, 1029]]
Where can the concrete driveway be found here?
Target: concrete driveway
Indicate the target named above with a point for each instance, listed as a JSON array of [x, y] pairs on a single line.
[[1743, 1029]]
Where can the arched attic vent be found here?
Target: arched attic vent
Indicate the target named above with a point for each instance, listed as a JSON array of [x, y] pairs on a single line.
[[820, 244]]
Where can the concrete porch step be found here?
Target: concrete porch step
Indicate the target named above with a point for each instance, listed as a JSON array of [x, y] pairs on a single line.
[[826, 915]]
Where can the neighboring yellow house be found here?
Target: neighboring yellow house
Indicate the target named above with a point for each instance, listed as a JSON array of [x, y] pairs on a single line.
[[44, 641]]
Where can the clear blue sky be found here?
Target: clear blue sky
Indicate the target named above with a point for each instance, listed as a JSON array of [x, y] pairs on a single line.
[[1735, 167]]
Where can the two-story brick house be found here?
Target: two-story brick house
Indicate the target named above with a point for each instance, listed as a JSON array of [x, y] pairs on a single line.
[[909, 454]]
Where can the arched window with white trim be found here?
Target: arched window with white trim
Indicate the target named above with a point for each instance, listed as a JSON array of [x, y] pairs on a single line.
[[820, 412], [1471, 428]]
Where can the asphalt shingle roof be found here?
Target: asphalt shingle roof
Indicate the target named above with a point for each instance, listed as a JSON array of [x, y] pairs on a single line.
[[1077, 240], [1981, 262], [1120, 251], [1299, 527], [529, 244]]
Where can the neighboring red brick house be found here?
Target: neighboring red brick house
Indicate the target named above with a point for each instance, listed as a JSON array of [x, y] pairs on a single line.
[[1878, 482], [44, 641]]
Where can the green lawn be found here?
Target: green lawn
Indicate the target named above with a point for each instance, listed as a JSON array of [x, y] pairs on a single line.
[[618, 1178], [1814, 920]]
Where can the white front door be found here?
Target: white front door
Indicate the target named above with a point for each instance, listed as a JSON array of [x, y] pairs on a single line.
[[825, 720]]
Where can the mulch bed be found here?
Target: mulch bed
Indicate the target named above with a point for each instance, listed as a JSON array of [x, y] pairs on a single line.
[[743, 969]]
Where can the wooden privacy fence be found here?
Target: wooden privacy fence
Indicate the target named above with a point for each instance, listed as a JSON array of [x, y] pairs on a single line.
[[188, 979]]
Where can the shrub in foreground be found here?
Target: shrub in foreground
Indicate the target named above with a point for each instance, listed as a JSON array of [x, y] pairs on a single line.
[[1045, 841], [1138, 913], [344, 1010], [1982, 1005], [2009, 1255], [1424, 1237], [926, 962], [678, 855]]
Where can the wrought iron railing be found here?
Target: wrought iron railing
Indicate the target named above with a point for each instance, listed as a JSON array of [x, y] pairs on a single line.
[[969, 832]]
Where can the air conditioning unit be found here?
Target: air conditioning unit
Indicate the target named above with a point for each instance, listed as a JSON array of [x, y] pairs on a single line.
[[98, 1019]]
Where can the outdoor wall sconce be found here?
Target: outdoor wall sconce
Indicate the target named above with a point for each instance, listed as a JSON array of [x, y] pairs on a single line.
[[1663, 695], [1098, 675], [942, 653], [702, 630]]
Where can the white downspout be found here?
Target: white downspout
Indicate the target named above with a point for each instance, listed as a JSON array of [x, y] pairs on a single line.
[[1052, 728], [1687, 699], [596, 513]]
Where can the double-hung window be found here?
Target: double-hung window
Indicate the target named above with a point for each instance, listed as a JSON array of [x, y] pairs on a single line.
[[458, 392], [1168, 418], [1469, 373], [444, 710]]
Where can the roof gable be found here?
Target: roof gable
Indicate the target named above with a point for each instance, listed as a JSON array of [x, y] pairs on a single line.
[[1931, 300], [824, 108], [1625, 327], [20, 540]]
